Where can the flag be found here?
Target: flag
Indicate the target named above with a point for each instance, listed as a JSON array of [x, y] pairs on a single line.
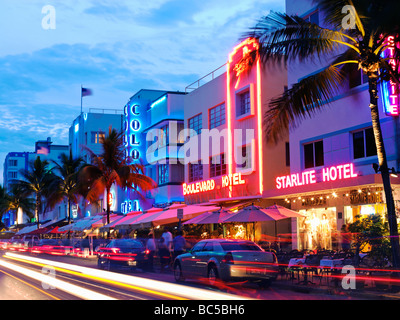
[[86, 92]]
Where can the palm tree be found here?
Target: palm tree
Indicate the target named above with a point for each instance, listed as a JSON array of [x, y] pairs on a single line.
[[4, 202], [65, 184], [17, 200], [291, 38], [112, 167], [36, 181]]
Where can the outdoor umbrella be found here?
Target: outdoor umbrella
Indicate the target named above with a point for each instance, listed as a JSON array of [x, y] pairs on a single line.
[[255, 214]]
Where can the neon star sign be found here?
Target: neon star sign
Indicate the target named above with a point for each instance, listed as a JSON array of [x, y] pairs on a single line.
[[333, 173], [390, 89]]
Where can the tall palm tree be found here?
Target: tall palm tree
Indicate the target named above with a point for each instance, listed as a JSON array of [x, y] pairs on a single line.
[[36, 181], [112, 167], [65, 183], [291, 38]]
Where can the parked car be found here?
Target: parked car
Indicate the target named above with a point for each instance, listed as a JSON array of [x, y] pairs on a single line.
[[122, 253], [227, 260]]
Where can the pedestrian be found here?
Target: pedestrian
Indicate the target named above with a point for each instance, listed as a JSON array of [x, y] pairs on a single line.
[[167, 235], [151, 247], [164, 253], [179, 244]]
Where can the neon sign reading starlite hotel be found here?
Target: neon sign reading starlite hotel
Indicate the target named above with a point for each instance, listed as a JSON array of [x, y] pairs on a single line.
[[340, 172], [390, 89]]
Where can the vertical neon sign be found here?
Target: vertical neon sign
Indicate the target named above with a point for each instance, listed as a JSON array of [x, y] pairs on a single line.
[[390, 89], [241, 59]]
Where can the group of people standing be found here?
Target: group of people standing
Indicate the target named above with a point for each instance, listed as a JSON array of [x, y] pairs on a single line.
[[168, 248]]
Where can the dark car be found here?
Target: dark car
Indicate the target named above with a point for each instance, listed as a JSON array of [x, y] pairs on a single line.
[[128, 253], [227, 260]]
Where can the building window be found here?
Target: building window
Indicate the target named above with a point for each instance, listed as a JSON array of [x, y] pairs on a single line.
[[356, 76], [364, 144], [12, 175], [314, 154], [195, 172], [164, 135], [216, 116], [97, 136], [163, 173], [287, 154], [195, 123], [217, 165], [12, 162], [244, 103]]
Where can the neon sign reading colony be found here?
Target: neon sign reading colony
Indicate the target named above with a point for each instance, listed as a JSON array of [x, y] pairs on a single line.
[[340, 172], [209, 185]]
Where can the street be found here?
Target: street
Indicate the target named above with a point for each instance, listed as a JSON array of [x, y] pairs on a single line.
[[41, 277]]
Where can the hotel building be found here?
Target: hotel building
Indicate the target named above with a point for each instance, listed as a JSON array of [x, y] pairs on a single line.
[[332, 155], [227, 160]]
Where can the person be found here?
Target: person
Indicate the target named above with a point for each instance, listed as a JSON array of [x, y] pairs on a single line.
[[164, 254], [179, 244], [151, 247], [167, 235]]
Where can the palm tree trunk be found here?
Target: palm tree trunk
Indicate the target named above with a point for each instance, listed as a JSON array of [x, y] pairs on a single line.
[[108, 209], [37, 209], [391, 212]]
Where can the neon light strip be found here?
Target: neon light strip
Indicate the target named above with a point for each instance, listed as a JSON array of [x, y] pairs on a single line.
[[229, 122], [259, 127], [157, 102]]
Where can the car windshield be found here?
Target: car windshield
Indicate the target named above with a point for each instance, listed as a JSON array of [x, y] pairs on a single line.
[[239, 246], [125, 244]]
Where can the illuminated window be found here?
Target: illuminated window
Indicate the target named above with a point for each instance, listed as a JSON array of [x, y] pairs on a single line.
[[164, 134], [196, 123], [97, 136], [195, 172], [217, 165], [163, 173], [244, 103], [364, 144], [314, 154], [216, 116]]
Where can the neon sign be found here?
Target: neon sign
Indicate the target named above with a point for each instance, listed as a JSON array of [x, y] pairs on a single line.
[[340, 172], [390, 89], [130, 205], [209, 185]]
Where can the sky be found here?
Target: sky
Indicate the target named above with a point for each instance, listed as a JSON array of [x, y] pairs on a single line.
[[49, 49]]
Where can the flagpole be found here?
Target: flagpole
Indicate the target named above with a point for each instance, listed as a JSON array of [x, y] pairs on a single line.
[[81, 99]]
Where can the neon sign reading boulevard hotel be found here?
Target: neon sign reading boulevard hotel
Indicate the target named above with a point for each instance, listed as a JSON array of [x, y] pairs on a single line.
[[340, 172], [209, 185]]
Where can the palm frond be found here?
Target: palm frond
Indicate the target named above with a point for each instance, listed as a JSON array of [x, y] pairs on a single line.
[[301, 101], [290, 37]]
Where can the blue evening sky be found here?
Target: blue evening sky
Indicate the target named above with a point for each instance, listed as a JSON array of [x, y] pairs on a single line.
[[114, 48]]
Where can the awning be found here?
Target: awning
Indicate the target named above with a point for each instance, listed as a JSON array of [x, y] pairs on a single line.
[[170, 215], [103, 221], [81, 224], [120, 220]]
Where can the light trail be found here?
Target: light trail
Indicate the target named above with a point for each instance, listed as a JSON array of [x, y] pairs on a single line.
[[59, 284], [155, 287]]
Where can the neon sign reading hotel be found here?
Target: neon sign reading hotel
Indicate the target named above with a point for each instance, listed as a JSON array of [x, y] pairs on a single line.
[[340, 172], [390, 89]]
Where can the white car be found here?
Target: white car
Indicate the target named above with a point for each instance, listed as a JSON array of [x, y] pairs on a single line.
[[227, 260]]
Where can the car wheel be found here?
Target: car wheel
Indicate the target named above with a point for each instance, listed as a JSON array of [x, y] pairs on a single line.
[[212, 275], [99, 264], [178, 272]]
